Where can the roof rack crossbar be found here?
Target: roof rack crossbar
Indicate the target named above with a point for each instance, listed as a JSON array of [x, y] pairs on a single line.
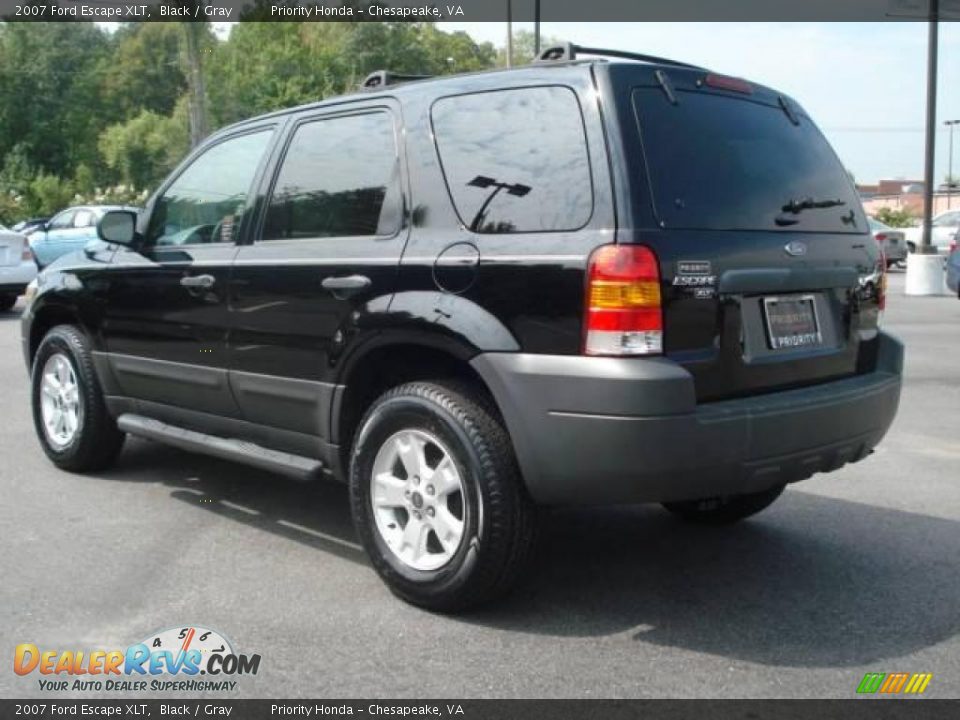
[[568, 51], [382, 78]]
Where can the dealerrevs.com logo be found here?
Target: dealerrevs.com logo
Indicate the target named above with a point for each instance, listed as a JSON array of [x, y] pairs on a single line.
[[168, 660]]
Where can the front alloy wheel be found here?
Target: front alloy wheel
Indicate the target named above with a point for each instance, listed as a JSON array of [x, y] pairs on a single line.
[[60, 404], [69, 412]]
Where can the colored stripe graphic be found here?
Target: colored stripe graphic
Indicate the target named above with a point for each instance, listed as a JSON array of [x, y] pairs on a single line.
[[893, 683], [918, 683], [871, 682]]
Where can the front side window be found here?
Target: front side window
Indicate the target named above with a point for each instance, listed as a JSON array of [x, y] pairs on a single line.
[[515, 160], [63, 220], [339, 178], [84, 219], [206, 202]]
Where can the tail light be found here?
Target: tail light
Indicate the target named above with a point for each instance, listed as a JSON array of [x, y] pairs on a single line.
[[27, 253], [881, 237], [624, 315], [953, 247]]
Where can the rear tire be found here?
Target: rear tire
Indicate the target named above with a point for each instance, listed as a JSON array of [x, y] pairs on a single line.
[[437, 497], [724, 510], [7, 302], [69, 414]]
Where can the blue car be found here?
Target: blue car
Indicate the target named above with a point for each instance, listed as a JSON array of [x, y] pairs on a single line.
[[953, 269], [67, 231]]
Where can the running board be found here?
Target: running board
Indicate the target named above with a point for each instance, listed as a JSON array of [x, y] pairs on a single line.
[[297, 466]]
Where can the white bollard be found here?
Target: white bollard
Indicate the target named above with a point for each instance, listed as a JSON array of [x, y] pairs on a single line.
[[925, 275]]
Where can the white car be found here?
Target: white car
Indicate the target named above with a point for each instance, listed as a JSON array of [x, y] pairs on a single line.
[[17, 267], [945, 227]]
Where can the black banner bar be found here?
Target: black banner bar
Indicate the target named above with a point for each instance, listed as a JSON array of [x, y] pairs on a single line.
[[859, 709], [474, 10]]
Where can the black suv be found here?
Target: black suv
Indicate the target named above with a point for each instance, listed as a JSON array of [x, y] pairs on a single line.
[[581, 281]]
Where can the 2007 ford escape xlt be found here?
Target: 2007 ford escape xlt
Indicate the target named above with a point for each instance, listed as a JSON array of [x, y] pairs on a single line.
[[582, 281]]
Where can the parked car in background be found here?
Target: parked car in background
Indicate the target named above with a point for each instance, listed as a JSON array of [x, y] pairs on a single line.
[[67, 231], [944, 228], [25, 227], [953, 267], [17, 267], [892, 242]]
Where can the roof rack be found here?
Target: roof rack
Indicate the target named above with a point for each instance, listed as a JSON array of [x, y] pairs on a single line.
[[381, 78], [568, 52]]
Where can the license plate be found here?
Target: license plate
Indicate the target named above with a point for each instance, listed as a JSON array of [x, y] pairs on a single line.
[[792, 322]]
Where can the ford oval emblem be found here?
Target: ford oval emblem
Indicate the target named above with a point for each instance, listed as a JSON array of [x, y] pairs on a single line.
[[796, 248]]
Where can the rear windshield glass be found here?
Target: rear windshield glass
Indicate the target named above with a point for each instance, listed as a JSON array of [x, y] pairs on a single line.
[[721, 163]]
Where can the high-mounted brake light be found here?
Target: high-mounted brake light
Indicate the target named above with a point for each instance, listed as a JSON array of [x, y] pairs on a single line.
[[623, 308], [725, 82]]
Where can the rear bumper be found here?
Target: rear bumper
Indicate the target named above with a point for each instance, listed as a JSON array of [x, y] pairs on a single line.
[[608, 430], [15, 278]]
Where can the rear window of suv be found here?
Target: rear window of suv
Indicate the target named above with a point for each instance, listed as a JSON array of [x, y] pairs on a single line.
[[722, 163], [515, 160]]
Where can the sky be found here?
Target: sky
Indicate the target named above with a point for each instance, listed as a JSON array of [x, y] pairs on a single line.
[[863, 83]]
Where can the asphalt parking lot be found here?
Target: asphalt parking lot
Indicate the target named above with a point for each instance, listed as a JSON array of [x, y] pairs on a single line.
[[852, 572]]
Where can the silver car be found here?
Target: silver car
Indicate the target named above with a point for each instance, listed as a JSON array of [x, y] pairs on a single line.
[[17, 267], [943, 231], [893, 242]]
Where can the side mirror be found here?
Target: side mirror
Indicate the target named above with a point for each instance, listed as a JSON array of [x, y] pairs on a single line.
[[118, 226]]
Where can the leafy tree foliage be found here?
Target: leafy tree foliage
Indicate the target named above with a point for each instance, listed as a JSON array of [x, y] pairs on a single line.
[[83, 109], [896, 218]]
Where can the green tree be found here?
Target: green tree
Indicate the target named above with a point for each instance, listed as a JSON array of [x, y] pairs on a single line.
[[50, 102], [268, 66], [143, 150], [523, 44], [895, 218], [144, 71]]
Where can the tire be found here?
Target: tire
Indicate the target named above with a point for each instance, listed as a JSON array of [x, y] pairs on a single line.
[[7, 302], [724, 510], [95, 442], [462, 438]]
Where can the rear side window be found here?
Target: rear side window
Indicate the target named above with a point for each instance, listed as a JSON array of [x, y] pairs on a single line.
[[515, 160], [339, 178], [723, 163]]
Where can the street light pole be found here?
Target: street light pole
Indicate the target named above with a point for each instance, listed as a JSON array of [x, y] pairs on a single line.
[[509, 33], [950, 179], [536, 28], [924, 266], [928, 178]]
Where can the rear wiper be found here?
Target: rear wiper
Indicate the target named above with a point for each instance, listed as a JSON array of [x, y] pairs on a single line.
[[798, 206]]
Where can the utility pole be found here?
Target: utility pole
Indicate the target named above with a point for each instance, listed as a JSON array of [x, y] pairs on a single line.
[[951, 180]]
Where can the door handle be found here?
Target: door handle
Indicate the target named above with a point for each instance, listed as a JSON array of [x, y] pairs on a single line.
[[347, 284], [198, 281]]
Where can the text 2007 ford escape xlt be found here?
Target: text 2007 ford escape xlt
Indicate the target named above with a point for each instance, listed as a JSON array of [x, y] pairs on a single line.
[[581, 281]]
